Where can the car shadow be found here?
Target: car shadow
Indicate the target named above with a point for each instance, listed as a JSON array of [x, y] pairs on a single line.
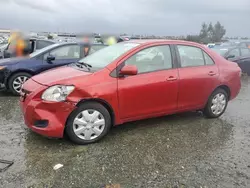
[[163, 144], [4, 93], [176, 121]]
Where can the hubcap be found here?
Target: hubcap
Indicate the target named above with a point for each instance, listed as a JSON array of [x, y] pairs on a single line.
[[18, 82], [218, 103], [89, 124]]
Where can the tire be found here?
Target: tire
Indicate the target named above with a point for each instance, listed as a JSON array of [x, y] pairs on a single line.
[[209, 111], [23, 76], [87, 127]]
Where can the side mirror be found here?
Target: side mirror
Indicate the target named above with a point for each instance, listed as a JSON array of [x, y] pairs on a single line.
[[230, 56], [129, 70], [50, 58]]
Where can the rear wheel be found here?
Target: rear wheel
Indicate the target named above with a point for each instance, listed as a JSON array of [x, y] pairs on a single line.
[[217, 104], [16, 81], [88, 123]]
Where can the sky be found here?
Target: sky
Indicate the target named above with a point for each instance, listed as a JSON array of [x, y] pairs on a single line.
[[158, 17]]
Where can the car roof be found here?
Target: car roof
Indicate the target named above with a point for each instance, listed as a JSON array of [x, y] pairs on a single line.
[[80, 43], [244, 42], [58, 44], [156, 41], [225, 47], [37, 39], [230, 47]]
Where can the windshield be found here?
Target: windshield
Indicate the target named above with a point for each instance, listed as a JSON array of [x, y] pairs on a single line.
[[37, 52], [105, 56], [221, 51]]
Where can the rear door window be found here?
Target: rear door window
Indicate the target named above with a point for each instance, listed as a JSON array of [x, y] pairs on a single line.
[[190, 56], [208, 59]]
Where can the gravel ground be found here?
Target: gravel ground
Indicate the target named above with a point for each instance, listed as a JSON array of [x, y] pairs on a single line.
[[184, 150]]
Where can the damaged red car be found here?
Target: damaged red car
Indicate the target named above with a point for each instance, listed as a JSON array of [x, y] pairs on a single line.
[[125, 82]]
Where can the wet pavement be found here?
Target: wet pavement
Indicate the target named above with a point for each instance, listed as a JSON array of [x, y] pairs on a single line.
[[184, 150]]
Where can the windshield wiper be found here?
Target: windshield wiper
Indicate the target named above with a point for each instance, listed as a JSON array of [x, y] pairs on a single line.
[[83, 65], [86, 64]]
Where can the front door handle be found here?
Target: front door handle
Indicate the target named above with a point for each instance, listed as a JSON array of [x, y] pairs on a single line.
[[211, 73], [171, 78]]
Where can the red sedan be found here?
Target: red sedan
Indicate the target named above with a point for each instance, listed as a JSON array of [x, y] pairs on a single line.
[[125, 82]]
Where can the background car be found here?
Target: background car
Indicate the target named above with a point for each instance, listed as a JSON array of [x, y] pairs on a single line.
[[244, 63], [34, 44], [245, 44], [2, 48], [228, 44], [231, 53], [15, 71], [114, 86]]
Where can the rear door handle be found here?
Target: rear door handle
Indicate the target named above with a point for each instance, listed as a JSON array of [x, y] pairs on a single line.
[[211, 73], [171, 78]]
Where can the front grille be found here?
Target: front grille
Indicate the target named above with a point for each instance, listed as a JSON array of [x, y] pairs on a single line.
[[41, 123]]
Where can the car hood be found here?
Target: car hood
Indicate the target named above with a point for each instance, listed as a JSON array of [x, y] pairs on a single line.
[[11, 61], [61, 75]]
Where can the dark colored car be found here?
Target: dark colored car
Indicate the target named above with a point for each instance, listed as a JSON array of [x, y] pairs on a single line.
[[125, 82], [245, 44], [244, 63], [15, 71], [231, 53], [240, 55], [33, 45]]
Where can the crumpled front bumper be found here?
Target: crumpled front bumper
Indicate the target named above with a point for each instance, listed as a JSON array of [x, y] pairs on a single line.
[[45, 118]]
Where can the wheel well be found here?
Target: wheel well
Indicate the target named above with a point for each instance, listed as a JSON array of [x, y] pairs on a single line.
[[16, 72], [227, 89], [102, 102]]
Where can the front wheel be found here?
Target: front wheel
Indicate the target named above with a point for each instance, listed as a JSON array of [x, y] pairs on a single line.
[[16, 81], [217, 104], [88, 123]]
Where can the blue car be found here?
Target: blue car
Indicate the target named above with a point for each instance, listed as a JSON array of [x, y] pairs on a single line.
[[15, 71]]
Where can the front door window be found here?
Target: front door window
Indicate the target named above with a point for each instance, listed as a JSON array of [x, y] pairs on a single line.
[[152, 59]]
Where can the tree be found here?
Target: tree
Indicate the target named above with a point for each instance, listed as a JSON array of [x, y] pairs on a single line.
[[210, 32], [204, 34], [218, 32], [193, 38]]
